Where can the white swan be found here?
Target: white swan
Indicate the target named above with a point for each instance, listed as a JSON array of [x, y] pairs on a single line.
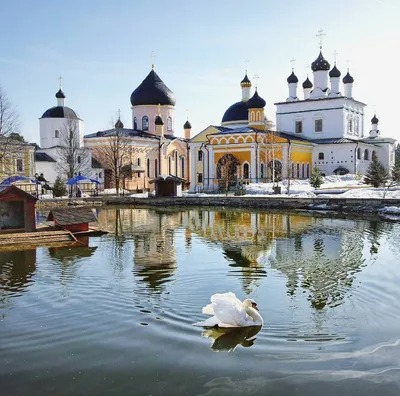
[[229, 311]]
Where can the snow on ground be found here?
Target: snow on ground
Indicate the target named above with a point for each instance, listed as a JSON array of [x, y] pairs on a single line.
[[347, 186]]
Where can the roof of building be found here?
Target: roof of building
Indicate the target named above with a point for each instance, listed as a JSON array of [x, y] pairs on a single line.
[[292, 79], [123, 132], [4, 190], [374, 119], [69, 216], [320, 63], [239, 111], [256, 101], [152, 91], [348, 79], [245, 82], [60, 94], [163, 178], [43, 157], [187, 125], [334, 72], [119, 124], [60, 112], [307, 83], [334, 141]]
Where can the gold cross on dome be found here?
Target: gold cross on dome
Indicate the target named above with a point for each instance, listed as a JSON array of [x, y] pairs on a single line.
[[256, 78], [293, 61], [335, 55], [246, 63], [320, 34]]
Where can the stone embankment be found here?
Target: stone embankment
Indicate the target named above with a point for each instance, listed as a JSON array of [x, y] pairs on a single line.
[[344, 205]]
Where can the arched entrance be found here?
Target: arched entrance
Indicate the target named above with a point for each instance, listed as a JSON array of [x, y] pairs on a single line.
[[274, 168], [227, 171]]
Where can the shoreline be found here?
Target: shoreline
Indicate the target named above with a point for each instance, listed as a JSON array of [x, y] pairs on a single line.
[[336, 204]]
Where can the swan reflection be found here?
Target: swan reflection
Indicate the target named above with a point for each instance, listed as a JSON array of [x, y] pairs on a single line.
[[227, 339]]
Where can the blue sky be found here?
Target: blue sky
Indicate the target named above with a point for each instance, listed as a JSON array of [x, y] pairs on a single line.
[[103, 50]]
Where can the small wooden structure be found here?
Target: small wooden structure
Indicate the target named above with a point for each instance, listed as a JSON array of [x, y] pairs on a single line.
[[168, 186], [72, 219], [17, 210]]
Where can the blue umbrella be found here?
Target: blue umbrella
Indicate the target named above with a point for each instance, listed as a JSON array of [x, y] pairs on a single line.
[[79, 178], [12, 179]]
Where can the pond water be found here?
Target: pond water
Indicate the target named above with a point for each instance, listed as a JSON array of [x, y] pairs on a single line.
[[115, 317]]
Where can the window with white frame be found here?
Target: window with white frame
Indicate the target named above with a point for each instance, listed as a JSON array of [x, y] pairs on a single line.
[[169, 124], [148, 167], [318, 125], [246, 171], [145, 123], [57, 133], [299, 126], [321, 156], [20, 165], [200, 156]]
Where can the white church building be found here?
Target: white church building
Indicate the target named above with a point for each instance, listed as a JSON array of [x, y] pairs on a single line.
[[327, 114], [53, 124]]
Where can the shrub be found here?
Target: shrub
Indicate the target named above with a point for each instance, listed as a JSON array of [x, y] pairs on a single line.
[[59, 187], [316, 178]]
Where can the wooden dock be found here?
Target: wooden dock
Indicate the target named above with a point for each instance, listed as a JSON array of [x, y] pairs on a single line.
[[26, 240]]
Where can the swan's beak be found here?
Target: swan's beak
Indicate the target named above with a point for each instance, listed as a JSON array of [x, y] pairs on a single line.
[[255, 306]]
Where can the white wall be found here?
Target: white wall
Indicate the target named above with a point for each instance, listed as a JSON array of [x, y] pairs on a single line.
[[48, 126], [333, 111]]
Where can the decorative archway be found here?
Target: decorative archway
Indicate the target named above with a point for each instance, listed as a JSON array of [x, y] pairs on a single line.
[[227, 169]]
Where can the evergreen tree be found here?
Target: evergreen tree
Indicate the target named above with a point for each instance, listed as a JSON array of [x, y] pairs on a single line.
[[316, 178], [59, 188], [396, 171], [376, 174]]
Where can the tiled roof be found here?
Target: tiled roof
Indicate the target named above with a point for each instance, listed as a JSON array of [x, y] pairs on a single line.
[[43, 157], [334, 141], [69, 216], [123, 132]]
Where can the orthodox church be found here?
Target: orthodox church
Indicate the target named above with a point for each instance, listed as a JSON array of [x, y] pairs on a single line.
[[56, 125], [152, 149], [324, 129]]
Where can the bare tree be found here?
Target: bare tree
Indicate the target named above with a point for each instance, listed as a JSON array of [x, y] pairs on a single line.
[[9, 124], [113, 154], [73, 158]]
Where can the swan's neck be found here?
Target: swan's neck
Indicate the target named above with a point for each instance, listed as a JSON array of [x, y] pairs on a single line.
[[253, 313]]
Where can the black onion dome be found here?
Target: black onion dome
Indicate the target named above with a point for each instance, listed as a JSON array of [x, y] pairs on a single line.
[[158, 121], [292, 78], [60, 94], [347, 79], [152, 91], [239, 111], [256, 102], [374, 119], [320, 63], [60, 112], [307, 83], [119, 124], [335, 72], [245, 82], [187, 125]]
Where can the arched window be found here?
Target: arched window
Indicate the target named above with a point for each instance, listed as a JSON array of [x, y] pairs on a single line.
[[308, 171], [359, 153], [302, 171], [292, 169], [169, 124], [156, 167], [246, 171], [262, 171], [56, 133], [145, 123], [321, 156], [169, 165], [298, 170], [373, 154], [148, 167], [135, 123], [200, 156], [350, 126], [366, 154], [138, 161], [183, 167]]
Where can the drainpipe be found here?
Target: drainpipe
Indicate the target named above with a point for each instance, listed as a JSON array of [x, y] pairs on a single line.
[[355, 159]]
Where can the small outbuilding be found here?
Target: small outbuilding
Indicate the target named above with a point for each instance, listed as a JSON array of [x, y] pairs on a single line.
[[168, 186], [72, 219], [17, 210]]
